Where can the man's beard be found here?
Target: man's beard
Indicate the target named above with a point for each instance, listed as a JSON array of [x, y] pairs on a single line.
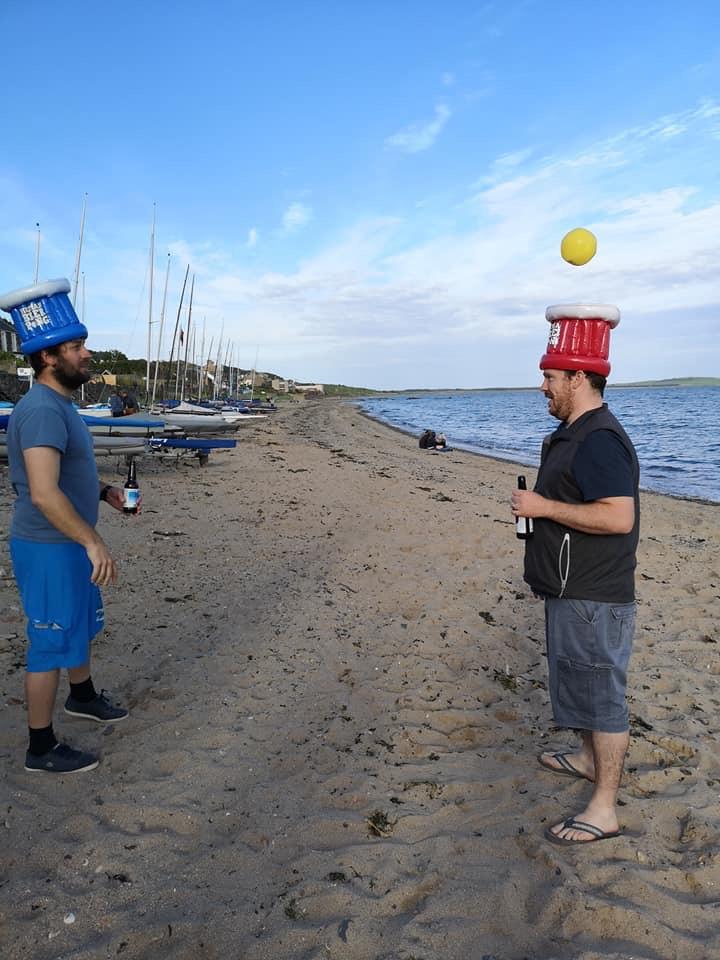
[[557, 409], [70, 379]]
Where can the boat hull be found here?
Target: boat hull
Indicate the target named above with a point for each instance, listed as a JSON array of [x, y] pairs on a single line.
[[134, 425]]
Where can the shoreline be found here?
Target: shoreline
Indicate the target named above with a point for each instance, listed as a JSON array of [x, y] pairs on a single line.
[[478, 452], [336, 679], [681, 383]]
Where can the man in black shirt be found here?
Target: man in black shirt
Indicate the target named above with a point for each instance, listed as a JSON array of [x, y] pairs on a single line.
[[581, 561]]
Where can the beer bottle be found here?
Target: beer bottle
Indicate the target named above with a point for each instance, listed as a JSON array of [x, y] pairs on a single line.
[[523, 525], [131, 490]]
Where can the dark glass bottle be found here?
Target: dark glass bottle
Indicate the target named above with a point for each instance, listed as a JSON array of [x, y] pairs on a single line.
[[523, 525], [131, 490]]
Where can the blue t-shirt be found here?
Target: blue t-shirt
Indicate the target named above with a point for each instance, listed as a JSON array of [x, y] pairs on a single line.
[[602, 467], [45, 418]]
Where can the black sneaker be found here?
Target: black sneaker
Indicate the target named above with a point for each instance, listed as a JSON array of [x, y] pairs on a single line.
[[61, 759], [99, 709]]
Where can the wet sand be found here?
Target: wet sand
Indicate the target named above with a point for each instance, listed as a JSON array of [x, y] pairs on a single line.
[[337, 683]]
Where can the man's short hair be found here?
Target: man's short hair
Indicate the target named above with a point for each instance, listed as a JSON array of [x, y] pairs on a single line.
[[596, 380], [36, 361]]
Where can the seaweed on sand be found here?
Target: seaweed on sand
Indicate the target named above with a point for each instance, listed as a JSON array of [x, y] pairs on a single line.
[[379, 824]]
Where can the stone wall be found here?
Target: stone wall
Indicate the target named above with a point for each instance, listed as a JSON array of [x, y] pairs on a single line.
[[12, 388]]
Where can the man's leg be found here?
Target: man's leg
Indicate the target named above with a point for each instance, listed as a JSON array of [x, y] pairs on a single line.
[[84, 701], [40, 693], [44, 574], [44, 753], [79, 674], [609, 751], [594, 687]]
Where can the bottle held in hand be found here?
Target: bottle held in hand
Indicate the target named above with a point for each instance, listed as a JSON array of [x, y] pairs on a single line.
[[523, 525], [131, 491]]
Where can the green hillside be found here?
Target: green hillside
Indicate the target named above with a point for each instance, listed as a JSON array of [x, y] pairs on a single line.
[[674, 382]]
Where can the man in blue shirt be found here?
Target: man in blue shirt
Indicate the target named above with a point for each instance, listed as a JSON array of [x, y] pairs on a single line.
[[117, 404], [60, 560]]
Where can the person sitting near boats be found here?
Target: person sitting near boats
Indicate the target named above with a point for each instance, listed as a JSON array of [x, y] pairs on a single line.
[[116, 404], [130, 404]]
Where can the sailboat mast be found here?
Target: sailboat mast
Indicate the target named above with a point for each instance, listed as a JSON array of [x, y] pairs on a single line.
[[150, 307], [37, 253], [207, 363], [217, 361], [82, 320], [193, 364], [79, 250], [201, 384], [177, 324], [160, 335], [228, 353], [188, 353], [252, 383], [187, 341]]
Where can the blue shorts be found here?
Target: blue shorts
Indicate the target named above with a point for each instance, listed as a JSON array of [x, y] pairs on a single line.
[[64, 608], [588, 647]]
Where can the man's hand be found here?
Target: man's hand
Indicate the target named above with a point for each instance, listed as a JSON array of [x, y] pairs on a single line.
[[116, 498], [104, 568], [527, 503], [608, 515]]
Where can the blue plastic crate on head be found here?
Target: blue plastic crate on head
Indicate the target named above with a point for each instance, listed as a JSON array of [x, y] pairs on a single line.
[[43, 315]]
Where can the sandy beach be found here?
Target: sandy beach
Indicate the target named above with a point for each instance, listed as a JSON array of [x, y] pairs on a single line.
[[337, 686]]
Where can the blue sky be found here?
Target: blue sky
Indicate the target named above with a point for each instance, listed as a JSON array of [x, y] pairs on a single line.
[[372, 193]]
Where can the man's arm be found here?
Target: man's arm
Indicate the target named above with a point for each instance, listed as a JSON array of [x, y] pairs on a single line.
[[604, 516], [43, 472]]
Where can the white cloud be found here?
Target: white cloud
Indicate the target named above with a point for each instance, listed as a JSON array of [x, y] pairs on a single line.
[[296, 216], [672, 130], [414, 139], [375, 306], [475, 297], [510, 160], [252, 238], [447, 79]]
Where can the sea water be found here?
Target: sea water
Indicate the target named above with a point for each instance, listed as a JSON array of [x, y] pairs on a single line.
[[674, 429]]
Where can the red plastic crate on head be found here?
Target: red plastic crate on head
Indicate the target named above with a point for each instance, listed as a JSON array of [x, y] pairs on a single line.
[[580, 337]]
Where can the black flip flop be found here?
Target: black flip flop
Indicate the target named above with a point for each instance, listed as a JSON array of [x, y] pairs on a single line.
[[572, 824], [565, 768]]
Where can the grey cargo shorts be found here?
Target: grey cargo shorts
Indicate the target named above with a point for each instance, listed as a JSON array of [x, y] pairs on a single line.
[[588, 649]]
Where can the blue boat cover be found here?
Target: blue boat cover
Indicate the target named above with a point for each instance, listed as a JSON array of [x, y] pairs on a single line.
[[192, 444]]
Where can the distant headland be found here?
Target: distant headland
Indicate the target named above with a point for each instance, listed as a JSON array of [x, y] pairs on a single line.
[[340, 390]]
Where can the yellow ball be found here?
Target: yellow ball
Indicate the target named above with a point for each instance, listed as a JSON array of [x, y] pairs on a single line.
[[578, 247]]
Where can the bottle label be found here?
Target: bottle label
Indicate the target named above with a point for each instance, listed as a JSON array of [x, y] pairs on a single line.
[[132, 498], [524, 526]]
